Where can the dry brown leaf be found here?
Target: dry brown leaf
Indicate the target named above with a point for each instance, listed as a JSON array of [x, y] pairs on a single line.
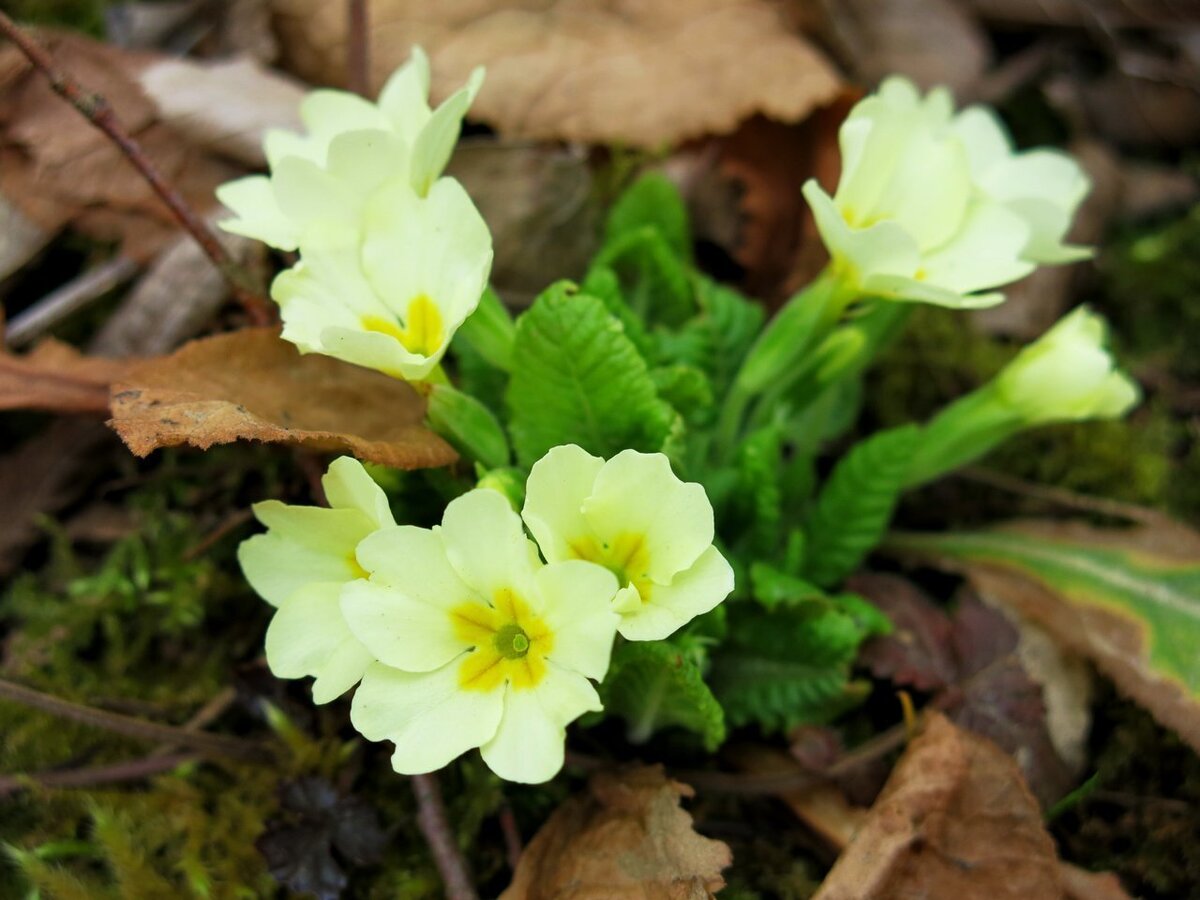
[[252, 385], [823, 807], [954, 820], [931, 41], [57, 169], [58, 378], [1080, 884], [541, 206], [224, 106], [43, 475], [602, 71], [626, 838]]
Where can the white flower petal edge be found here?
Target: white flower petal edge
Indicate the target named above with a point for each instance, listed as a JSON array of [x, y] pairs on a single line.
[[633, 516], [309, 636], [426, 714], [412, 142], [480, 645], [935, 207], [301, 565], [394, 302]]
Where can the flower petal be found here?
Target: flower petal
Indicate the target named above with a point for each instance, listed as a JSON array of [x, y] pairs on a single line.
[[638, 494], [690, 594], [897, 287], [577, 607], [486, 544], [426, 714], [882, 248], [437, 138], [405, 96], [305, 545], [399, 631], [308, 636], [528, 746], [347, 485], [558, 484], [437, 246], [252, 200], [986, 252]]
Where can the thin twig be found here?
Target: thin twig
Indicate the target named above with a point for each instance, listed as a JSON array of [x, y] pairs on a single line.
[[231, 523], [1061, 496], [70, 298], [129, 770], [208, 745], [358, 59], [431, 818], [99, 112]]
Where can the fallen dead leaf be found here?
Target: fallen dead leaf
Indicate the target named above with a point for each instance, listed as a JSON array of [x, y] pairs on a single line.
[[541, 205], [252, 385], [223, 106], [597, 71], [1126, 599], [954, 820], [931, 41], [41, 476], [972, 664], [1080, 884], [626, 838], [57, 169], [57, 378]]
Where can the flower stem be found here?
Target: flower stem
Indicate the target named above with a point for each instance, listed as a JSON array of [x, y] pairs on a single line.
[[208, 745], [97, 110], [431, 818]]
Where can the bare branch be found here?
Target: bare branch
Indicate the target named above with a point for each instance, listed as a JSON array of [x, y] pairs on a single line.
[[431, 818]]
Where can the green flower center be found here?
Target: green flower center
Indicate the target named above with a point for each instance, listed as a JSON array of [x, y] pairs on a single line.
[[511, 641]]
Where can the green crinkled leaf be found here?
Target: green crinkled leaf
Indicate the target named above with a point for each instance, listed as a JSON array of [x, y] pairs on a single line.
[[774, 589], [577, 378], [602, 282], [761, 502], [648, 243], [790, 667], [654, 685], [1127, 599], [687, 389], [856, 503], [652, 201], [718, 338]]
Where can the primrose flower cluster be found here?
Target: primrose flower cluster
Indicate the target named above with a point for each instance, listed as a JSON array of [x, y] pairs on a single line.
[[393, 255], [469, 634]]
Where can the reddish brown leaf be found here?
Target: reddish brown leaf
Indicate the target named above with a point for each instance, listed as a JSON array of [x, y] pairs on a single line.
[[626, 838], [56, 377], [251, 385], [954, 820]]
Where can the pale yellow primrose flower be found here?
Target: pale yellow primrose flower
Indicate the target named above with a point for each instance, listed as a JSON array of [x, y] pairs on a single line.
[[633, 516], [352, 146], [300, 567], [937, 207], [478, 643], [393, 301], [1067, 375]]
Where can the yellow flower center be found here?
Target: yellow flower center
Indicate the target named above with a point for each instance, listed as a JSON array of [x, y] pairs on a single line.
[[510, 643], [626, 557], [422, 331]]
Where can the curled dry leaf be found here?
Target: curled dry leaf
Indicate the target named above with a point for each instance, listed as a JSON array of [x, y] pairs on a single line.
[[58, 378], [626, 838], [954, 820], [1129, 600], [252, 385], [601, 71]]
